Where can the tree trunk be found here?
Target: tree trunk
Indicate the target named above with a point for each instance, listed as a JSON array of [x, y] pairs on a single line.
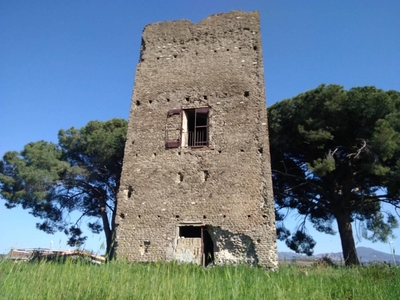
[[109, 233], [347, 239]]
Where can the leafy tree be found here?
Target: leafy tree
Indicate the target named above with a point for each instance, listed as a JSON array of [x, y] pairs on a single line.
[[81, 173], [336, 157]]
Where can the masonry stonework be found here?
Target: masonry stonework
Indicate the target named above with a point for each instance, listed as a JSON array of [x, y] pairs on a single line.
[[196, 180]]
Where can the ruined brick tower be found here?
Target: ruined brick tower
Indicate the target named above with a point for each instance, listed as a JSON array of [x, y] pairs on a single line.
[[196, 180]]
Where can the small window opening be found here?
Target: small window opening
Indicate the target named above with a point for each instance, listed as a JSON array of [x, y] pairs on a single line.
[[139, 216], [205, 97], [249, 216], [255, 47], [150, 101], [204, 217], [177, 216], [187, 99], [258, 241], [138, 103], [246, 94], [227, 49], [180, 176], [122, 216], [168, 100], [241, 150], [146, 246], [130, 190], [206, 175], [224, 216], [260, 150]]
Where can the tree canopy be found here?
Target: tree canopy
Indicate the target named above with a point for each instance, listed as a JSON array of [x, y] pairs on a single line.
[[80, 173], [335, 156]]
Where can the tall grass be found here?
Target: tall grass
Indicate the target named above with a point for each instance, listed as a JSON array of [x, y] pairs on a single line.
[[119, 280]]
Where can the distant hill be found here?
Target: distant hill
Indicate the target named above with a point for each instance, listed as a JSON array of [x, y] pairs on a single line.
[[366, 255]]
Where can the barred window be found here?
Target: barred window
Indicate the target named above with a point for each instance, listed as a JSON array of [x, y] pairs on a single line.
[[187, 128]]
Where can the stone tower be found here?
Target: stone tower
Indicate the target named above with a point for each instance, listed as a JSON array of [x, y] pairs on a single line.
[[196, 181]]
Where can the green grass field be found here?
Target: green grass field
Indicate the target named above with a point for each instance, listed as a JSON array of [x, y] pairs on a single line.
[[119, 280]]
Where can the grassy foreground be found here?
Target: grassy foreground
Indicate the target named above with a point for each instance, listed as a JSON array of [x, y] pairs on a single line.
[[172, 281]]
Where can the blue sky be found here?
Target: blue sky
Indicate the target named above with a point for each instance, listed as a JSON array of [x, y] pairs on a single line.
[[64, 63]]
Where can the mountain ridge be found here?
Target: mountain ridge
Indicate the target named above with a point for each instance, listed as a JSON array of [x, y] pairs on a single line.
[[365, 254]]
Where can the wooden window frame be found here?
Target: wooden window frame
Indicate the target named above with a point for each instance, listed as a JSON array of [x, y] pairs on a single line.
[[198, 138]]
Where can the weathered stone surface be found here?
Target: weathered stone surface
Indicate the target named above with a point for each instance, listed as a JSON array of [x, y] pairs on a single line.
[[225, 187]]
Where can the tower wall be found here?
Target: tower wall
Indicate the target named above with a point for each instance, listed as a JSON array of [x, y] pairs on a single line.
[[224, 187]]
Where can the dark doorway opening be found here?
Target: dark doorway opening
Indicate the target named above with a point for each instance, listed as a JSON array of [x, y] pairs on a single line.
[[207, 244], [208, 248]]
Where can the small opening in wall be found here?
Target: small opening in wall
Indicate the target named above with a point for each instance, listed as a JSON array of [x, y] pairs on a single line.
[[204, 217], [219, 151], [158, 58], [130, 190], [258, 241], [246, 94], [150, 101], [133, 142], [139, 216], [137, 154], [260, 150], [215, 51], [138, 103], [122, 216], [255, 48], [196, 53], [224, 216], [154, 154], [179, 152], [240, 48], [158, 216], [177, 216], [227, 49], [205, 97], [264, 216], [249, 216], [241, 150], [206, 175], [187, 99], [168, 100], [180, 176], [146, 246], [175, 56]]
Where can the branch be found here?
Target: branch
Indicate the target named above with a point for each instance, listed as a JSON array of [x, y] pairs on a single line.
[[357, 154]]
